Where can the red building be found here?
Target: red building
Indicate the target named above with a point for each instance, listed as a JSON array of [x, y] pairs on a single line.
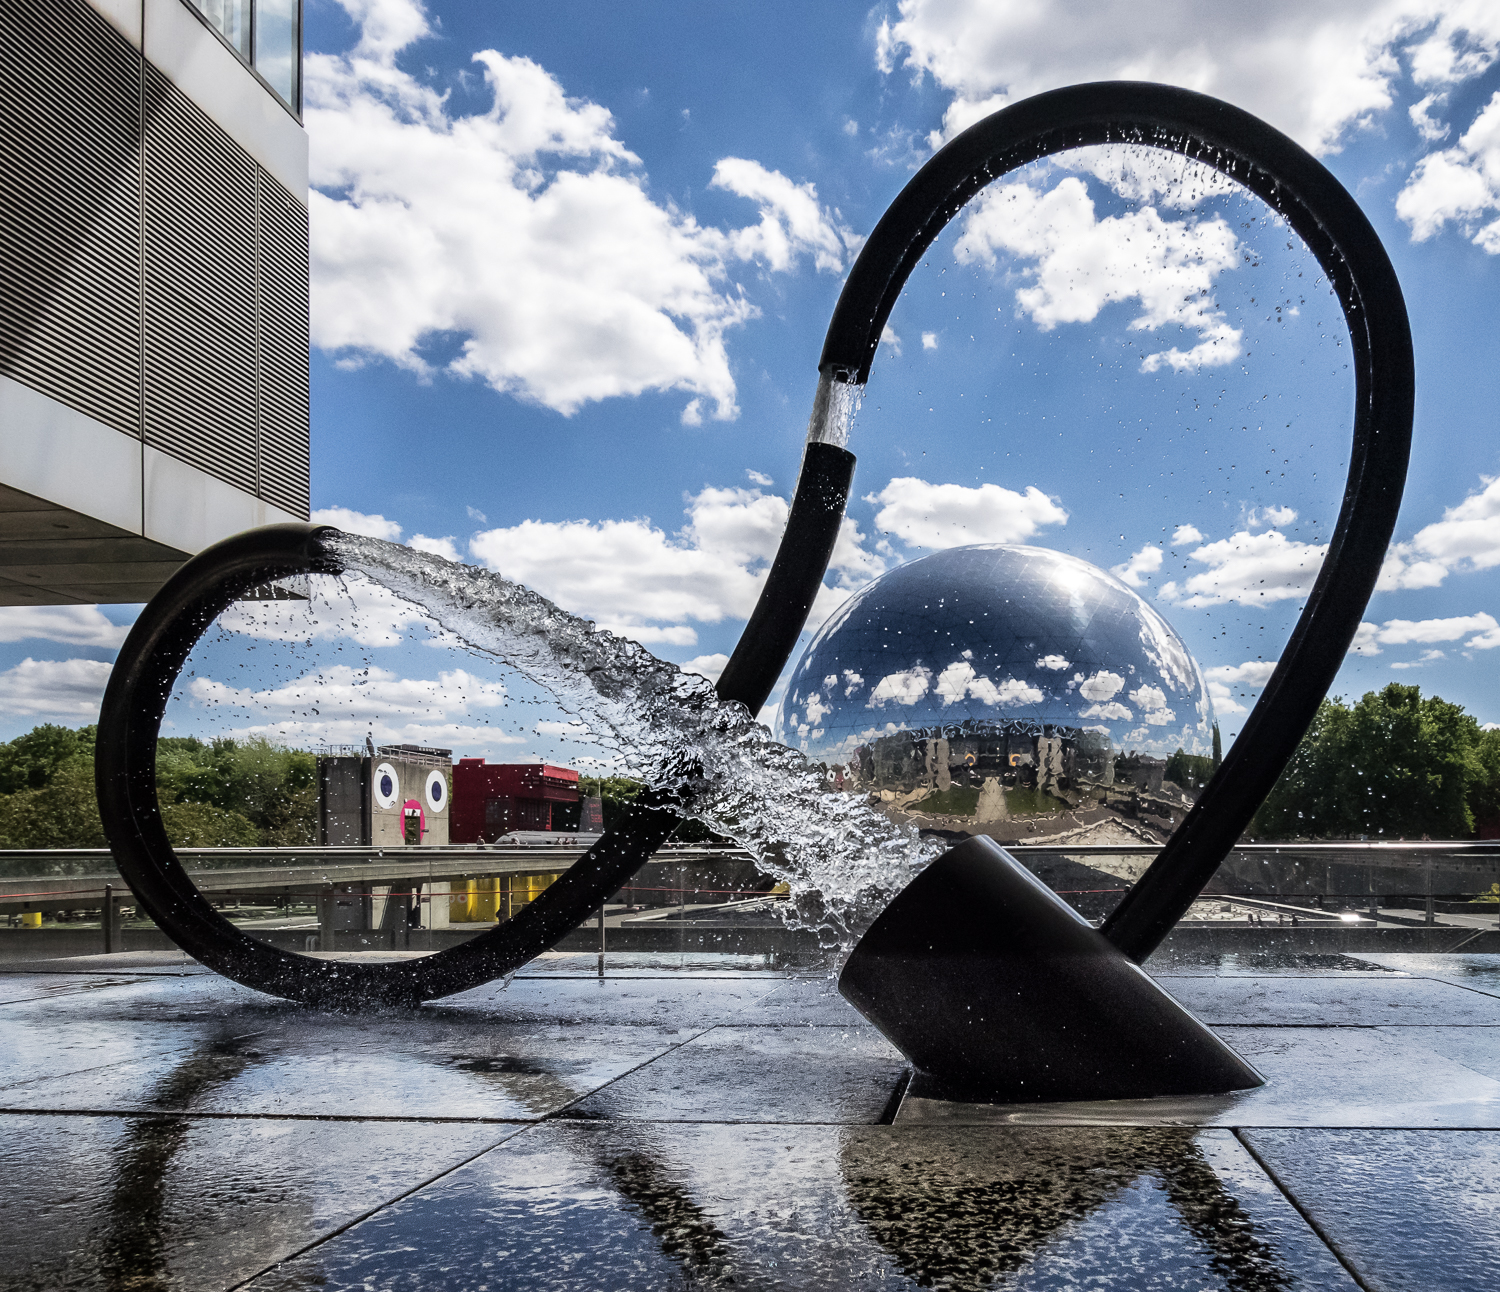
[[492, 799]]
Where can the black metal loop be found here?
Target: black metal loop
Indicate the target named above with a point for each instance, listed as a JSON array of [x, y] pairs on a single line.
[[1199, 127], [171, 624], [1326, 217]]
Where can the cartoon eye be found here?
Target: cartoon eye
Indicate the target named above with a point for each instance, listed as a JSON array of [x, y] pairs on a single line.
[[387, 785], [437, 792]]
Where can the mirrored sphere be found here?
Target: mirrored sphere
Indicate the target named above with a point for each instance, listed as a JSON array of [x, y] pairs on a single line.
[[1019, 666]]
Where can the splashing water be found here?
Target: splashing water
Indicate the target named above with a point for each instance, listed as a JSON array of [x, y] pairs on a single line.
[[841, 860]]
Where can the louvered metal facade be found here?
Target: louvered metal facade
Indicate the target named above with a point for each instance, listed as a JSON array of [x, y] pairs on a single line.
[[154, 274]]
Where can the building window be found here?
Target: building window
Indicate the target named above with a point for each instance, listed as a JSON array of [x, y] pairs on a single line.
[[267, 34]]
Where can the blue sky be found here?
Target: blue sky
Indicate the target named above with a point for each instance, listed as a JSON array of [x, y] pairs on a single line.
[[572, 265]]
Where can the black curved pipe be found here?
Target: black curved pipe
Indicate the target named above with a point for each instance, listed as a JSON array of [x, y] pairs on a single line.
[[166, 631], [1326, 217]]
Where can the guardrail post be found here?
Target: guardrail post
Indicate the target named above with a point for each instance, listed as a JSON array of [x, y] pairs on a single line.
[[601, 941], [328, 906], [1431, 909], [109, 920]]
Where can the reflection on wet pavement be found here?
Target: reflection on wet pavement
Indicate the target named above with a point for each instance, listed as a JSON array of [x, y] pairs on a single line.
[[722, 1128]]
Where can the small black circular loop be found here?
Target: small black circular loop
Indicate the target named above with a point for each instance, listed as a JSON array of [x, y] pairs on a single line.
[[159, 643], [1300, 189]]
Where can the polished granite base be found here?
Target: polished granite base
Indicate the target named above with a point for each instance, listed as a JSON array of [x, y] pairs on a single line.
[[710, 1124]]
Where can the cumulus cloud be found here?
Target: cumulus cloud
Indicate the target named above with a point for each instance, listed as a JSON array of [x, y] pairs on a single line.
[[1110, 712], [1317, 72], [1249, 569], [906, 687], [1224, 678], [71, 625], [1275, 516], [1082, 264], [527, 231], [1402, 632], [949, 515], [358, 522], [1185, 534], [929, 341], [340, 704], [709, 666], [1103, 685], [447, 548], [1152, 701], [1460, 185], [1467, 538], [1139, 567], [634, 578], [1427, 657], [959, 680], [69, 689], [1053, 662]]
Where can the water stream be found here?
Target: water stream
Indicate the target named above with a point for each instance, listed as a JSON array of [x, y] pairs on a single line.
[[841, 860]]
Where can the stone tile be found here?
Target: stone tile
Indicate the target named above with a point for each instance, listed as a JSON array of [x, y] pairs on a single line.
[[1410, 1210], [179, 1203], [1476, 972], [1260, 964], [594, 1206], [760, 1074], [18, 988], [810, 999], [310, 1064], [1340, 1000], [686, 1000], [1398, 1076]]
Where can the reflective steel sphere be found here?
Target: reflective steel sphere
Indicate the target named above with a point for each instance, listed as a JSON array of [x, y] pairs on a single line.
[[1016, 665]]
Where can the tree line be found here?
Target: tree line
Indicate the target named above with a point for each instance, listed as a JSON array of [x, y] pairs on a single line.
[[219, 793]]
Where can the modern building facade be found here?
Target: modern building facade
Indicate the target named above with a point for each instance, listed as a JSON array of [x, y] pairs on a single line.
[[495, 799], [384, 798], [153, 288]]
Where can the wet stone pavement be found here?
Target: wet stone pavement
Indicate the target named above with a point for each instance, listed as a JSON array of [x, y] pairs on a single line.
[[714, 1124]]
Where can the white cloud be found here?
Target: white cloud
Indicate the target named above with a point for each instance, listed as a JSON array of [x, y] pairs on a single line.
[[1460, 185], [1428, 657], [906, 687], [890, 341], [447, 548], [355, 608], [527, 230], [791, 221], [1467, 538], [1053, 662], [1317, 72], [357, 522], [637, 580], [69, 689], [949, 515], [959, 680], [1139, 567], [1152, 701], [1185, 534], [1252, 674], [1103, 685], [709, 666], [1401, 632], [929, 341], [339, 704], [1110, 712], [1083, 264], [1249, 569], [759, 478], [1274, 516], [72, 625]]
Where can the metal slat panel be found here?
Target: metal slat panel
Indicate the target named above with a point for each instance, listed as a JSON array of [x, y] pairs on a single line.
[[283, 347], [199, 258], [69, 209]]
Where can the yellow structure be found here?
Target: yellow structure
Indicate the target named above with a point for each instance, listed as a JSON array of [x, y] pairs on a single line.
[[483, 901], [31, 919]]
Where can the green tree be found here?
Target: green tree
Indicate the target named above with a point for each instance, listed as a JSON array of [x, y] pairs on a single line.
[[1191, 771], [28, 762], [62, 813], [1394, 765]]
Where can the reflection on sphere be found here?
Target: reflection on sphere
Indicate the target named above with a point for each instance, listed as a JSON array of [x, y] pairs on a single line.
[[981, 686]]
